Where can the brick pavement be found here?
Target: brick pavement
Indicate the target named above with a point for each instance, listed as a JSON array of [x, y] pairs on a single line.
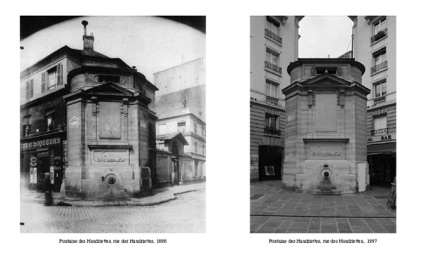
[[277, 210]]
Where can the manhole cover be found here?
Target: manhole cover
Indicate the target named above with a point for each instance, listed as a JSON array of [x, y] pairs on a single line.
[[256, 196]]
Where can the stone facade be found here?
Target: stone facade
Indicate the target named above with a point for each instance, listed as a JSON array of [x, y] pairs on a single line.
[[325, 124], [92, 113], [273, 43]]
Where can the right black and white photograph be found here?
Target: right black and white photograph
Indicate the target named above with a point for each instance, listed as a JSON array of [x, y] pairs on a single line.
[[323, 124]]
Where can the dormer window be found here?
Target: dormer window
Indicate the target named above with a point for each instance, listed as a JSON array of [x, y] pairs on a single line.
[[51, 78], [109, 78]]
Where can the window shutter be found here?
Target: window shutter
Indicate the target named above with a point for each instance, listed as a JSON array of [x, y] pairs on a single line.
[[43, 82], [58, 74], [27, 89], [31, 89]]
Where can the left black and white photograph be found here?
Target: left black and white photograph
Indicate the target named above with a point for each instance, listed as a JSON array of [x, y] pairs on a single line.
[[112, 124]]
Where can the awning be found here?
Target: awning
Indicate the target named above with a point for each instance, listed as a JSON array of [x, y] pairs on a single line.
[[384, 148]]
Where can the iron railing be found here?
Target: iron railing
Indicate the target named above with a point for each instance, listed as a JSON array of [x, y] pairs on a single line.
[[379, 35], [379, 67], [272, 100], [273, 35], [379, 131], [273, 67]]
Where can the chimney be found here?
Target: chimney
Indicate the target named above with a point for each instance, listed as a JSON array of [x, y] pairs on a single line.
[[88, 41]]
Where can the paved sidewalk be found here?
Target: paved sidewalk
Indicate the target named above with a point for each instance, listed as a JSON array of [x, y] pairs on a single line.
[[160, 195], [277, 210]]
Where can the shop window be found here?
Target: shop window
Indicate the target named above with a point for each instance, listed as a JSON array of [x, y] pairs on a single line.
[[29, 89], [26, 125], [181, 127], [49, 118]]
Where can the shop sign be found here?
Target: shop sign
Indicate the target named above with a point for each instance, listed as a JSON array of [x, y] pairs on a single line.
[[381, 138], [33, 161], [40, 143]]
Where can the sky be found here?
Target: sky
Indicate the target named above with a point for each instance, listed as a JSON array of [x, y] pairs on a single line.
[[322, 36], [151, 44]]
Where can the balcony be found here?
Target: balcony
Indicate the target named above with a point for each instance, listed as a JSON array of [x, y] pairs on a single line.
[[272, 131], [272, 100], [379, 132], [379, 67], [273, 36], [381, 34], [380, 99], [273, 67]]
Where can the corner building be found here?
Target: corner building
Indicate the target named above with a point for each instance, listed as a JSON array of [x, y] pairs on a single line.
[[374, 45], [86, 120], [273, 44]]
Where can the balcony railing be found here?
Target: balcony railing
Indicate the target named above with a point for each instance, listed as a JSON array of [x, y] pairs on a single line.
[[273, 35], [379, 67], [272, 131], [379, 132], [380, 99], [273, 67], [379, 35], [272, 100]]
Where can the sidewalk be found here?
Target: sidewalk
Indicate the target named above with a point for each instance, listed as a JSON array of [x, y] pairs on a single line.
[[274, 209], [159, 196]]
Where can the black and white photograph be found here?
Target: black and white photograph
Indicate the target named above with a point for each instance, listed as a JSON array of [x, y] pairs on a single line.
[[113, 124], [323, 124], [319, 132]]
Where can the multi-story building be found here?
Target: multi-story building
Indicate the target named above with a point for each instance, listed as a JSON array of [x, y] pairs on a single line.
[[273, 45], [374, 45], [86, 123], [181, 127]]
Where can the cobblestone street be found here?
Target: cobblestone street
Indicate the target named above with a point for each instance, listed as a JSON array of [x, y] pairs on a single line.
[[276, 210], [186, 214]]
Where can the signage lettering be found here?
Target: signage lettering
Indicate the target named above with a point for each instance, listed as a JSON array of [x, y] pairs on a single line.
[[41, 143]]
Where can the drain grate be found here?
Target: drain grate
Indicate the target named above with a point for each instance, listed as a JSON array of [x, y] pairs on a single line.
[[256, 196]]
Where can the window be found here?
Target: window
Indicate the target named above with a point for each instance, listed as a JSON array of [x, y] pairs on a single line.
[[26, 125], [323, 70], [108, 78], [379, 61], [29, 89], [195, 128], [380, 89], [272, 124], [380, 125], [181, 126], [52, 78], [380, 25], [272, 57], [49, 118], [272, 89], [195, 147], [272, 25], [204, 150]]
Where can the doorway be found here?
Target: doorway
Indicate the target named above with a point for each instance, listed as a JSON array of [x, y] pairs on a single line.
[[270, 163]]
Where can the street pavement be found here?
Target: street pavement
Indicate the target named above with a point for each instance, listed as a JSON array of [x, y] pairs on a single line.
[[185, 213], [274, 209]]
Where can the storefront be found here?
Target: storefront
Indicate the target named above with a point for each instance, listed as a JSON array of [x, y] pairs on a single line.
[[40, 155], [382, 163]]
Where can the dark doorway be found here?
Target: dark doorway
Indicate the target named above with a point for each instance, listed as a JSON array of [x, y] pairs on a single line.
[[270, 163], [382, 169], [175, 172]]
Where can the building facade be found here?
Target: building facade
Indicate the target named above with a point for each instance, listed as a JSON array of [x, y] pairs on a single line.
[[374, 45], [273, 45], [181, 127], [85, 121]]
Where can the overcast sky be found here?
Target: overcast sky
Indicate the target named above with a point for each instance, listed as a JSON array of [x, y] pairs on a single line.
[[151, 44], [322, 36]]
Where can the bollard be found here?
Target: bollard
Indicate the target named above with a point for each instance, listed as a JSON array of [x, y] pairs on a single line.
[[47, 188]]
